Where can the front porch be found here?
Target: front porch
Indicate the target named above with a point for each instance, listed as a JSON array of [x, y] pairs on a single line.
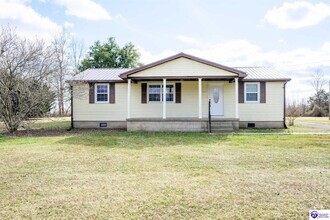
[[174, 94], [183, 124], [192, 101]]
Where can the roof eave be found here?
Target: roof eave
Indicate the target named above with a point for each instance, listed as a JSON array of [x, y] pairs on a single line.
[[95, 81], [267, 80]]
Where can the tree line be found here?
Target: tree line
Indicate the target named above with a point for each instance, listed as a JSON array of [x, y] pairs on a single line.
[[33, 72], [316, 105]]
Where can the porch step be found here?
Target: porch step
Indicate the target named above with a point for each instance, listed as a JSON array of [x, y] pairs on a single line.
[[222, 127], [222, 123]]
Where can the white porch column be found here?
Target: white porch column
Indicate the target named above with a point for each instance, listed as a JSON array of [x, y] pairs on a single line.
[[129, 98], [236, 98], [200, 98], [164, 98]]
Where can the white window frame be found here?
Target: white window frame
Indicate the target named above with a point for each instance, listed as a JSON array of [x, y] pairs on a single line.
[[258, 92], [108, 94], [161, 92]]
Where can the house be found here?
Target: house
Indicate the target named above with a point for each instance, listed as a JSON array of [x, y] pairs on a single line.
[[196, 91]]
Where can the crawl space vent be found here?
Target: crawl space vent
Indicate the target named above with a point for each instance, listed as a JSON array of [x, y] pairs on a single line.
[[103, 125]]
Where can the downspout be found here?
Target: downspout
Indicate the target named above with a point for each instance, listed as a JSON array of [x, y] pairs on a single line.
[[284, 106], [71, 100]]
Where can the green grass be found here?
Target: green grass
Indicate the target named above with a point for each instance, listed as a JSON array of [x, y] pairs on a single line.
[[121, 175], [297, 128]]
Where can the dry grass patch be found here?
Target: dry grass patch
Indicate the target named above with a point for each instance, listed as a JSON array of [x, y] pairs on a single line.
[[47, 123], [320, 120], [297, 128], [123, 175]]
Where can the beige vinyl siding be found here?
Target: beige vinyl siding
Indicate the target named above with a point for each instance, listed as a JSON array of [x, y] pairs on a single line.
[[84, 111], [187, 108], [189, 101], [229, 100], [182, 67], [272, 110]]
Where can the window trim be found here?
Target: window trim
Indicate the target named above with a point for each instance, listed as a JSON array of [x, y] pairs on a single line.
[[108, 93], [161, 92], [258, 92]]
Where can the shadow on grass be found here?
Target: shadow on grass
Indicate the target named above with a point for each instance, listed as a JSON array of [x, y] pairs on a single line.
[[140, 140]]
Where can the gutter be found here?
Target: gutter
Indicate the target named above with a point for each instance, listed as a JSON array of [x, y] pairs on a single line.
[[284, 105], [71, 98]]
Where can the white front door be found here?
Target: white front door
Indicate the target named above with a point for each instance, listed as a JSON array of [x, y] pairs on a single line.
[[216, 96]]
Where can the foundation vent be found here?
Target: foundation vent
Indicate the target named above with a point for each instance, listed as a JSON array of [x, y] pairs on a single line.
[[103, 125]]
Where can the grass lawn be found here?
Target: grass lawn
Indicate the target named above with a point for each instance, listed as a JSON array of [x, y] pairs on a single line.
[[49, 123], [297, 128], [120, 175], [320, 120]]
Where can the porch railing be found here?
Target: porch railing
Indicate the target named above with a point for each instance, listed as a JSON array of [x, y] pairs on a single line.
[[210, 116]]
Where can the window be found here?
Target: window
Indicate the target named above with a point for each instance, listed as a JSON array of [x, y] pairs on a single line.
[[102, 93], [169, 93], [252, 92], [156, 93]]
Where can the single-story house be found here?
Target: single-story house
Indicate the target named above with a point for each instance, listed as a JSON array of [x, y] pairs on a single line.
[[200, 96]]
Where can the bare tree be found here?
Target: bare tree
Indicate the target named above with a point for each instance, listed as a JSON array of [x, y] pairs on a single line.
[[317, 80], [318, 103], [68, 52], [77, 51], [61, 65], [293, 111], [24, 64]]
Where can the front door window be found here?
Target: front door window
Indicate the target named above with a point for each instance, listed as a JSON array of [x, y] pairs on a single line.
[[216, 92], [216, 95]]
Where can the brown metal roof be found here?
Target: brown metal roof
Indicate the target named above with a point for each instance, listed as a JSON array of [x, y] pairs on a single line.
[[182, 55]]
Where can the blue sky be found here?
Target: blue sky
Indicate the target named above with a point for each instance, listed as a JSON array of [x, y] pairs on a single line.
[[292, 36]]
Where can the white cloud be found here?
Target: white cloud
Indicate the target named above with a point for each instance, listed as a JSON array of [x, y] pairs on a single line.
[[186, 39], [120, 18], [148, 57], [297, 14], [232, 53], [86, 9], [68, 25], [28, 22]]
